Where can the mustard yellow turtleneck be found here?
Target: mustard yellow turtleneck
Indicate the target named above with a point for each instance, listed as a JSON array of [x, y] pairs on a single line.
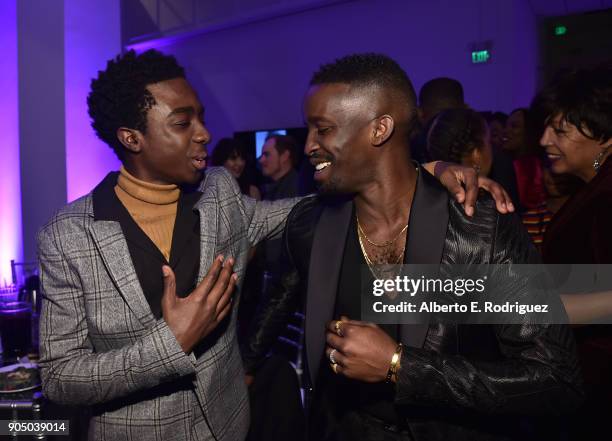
[[152, 206]]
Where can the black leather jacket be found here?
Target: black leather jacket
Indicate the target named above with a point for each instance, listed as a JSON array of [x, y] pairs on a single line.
[[455, 381]]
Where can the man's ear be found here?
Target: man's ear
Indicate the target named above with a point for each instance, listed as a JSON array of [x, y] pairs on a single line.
[[130, 139], [383, 129]]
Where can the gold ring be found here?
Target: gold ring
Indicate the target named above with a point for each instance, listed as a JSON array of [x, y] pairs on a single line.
[[334, 367], [337, 328]]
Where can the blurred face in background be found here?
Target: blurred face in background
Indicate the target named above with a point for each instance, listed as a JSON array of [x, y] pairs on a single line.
[[515, 132], [273, 164], [235, 163], [481, 158], [496, 129]]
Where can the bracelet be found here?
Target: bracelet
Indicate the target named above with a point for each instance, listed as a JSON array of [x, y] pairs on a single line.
[[393, 367]]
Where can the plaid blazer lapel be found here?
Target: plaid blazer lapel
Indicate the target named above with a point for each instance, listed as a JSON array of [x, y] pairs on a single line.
[[110, 242], [208, 208]]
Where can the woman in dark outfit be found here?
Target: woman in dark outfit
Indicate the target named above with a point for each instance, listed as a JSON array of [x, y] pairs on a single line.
[[577, 139]]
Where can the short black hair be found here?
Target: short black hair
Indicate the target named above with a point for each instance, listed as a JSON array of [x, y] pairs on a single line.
[[441, 93], [455, 133], [119, 95], [369, 70], [581, 97], [284, 143]]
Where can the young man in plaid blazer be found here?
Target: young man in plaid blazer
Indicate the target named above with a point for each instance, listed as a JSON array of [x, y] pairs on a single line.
[[126, 328]]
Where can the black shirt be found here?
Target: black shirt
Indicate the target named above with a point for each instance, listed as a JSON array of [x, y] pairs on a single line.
[[145, 256], [285, 187], [375, 399]]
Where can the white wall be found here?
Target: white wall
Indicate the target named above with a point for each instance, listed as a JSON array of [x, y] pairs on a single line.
[[254, 76]]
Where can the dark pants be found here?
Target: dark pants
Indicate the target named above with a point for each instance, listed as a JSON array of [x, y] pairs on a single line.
[[356, 426], [276, 405]]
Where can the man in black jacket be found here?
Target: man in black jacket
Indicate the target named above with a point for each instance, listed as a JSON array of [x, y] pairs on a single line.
[[449, 381]]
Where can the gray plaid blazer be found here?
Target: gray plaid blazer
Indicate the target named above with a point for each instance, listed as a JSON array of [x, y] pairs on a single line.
[[101, 346]]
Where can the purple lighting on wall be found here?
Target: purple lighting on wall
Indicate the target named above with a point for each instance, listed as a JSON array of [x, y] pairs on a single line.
[[10, 187], [92, 36]]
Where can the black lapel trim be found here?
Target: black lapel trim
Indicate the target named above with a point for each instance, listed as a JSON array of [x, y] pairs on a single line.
[[186, 224], [426, 237], [107, 206], [323, 274], [103, 198]]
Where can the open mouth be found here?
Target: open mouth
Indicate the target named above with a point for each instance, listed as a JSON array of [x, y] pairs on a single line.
[[199, 162], [553, 156], [321, 166]]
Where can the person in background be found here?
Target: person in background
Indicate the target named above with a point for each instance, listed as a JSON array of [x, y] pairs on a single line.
[[521, 144], [278, 160], [502, 169], [436, 95], [497, 125], [280, 156], [577, 110], [461, 136], [230, 154]]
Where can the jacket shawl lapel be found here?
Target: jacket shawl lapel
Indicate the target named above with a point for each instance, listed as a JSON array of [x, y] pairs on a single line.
[[425, 244]]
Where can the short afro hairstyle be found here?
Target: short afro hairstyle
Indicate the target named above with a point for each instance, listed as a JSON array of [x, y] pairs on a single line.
[[119, 95], [582, 98], [370, 70]]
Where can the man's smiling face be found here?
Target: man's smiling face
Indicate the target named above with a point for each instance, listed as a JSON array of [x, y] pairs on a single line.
[[339, 120]]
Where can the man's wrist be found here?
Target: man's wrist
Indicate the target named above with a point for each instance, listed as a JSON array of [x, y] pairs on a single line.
[[394, 365]]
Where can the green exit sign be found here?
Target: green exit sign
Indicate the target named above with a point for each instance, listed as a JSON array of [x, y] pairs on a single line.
[[480, 56], [560, 30]]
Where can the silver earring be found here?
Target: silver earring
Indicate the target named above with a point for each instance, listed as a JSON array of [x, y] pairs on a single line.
[[597, 163]]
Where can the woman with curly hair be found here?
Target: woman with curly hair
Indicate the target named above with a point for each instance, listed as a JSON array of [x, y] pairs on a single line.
[[461, 136]]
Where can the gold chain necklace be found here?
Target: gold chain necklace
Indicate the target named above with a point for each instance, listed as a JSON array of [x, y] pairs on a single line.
[[367, 257], [380, 245]]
